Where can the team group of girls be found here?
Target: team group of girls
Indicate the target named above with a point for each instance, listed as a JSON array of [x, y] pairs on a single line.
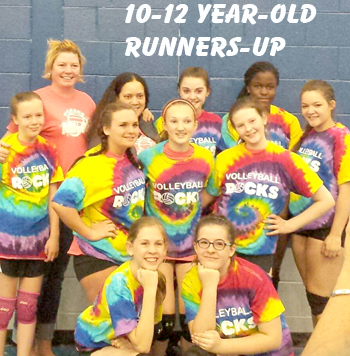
[[256, 191]]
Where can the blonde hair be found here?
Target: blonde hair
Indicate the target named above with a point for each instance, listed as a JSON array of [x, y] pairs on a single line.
[[54, 48]]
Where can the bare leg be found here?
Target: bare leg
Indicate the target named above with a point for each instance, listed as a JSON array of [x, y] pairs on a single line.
[[281, 247], [159, 347], [322, 272], [299, 252], [50, 294], [181, 270], [8, 290], [26, 331], [43, 347], [112, 351], [93, 283]]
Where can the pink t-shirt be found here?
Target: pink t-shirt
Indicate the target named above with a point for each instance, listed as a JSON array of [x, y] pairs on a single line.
[[66, 121], [143, 142]]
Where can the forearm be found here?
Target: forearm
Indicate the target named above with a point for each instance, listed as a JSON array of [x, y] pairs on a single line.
[[310, 214], [72, 219], [323, 201], [206, 198], [206, 316], [249, 345], [342, 209], [53, 217], [141, 337]]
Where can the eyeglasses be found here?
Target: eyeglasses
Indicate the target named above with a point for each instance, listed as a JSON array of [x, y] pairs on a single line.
[[219, 245]]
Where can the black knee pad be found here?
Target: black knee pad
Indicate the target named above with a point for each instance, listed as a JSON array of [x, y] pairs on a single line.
[[168, 324], [316, 302], [185, 331]]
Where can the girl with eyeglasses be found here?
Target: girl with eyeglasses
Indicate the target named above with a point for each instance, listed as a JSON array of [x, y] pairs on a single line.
[[231, 305]]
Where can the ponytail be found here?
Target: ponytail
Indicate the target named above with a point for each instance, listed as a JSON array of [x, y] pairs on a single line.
[[307, 130], [164, 136], [133, 160], [161, 290], [242, 93]]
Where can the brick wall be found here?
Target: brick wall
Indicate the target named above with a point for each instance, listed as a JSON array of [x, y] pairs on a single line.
[[319, 49]]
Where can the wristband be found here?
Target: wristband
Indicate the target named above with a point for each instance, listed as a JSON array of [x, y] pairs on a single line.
[[340, 292]]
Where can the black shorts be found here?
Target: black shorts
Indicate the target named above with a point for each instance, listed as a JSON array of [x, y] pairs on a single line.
[[86, 265], [320, 234], [22, 268], [263, 261]]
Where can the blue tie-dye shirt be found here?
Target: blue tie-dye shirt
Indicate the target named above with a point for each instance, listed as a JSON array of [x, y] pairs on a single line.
[[115, 312]]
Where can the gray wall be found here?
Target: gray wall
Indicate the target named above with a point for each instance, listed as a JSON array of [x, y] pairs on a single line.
[[319, 49]]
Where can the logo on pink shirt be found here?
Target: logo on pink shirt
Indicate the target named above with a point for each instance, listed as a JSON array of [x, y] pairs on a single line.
[[76, 123]]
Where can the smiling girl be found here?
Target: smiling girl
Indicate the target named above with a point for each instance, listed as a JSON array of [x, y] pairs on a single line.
[[194, 86], [101, 197], [252, 182], [325, 146], [176, 173], [126, 315], [260, 82], [29, 228], [128, 88], [231, 305]]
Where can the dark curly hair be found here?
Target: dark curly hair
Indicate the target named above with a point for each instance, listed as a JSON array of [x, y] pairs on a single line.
[[111, 95], [253, 70]]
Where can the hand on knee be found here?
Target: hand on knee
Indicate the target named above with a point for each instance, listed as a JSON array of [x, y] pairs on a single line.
[[7, 307], [26, 307]]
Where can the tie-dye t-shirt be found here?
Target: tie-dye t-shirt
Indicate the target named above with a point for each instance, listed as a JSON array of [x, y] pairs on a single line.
[[208, 133], [173, 193], [282, 128], [104, 187], [24, 195], [328, 154], [115, 312], [254, 184], [245, 299]]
